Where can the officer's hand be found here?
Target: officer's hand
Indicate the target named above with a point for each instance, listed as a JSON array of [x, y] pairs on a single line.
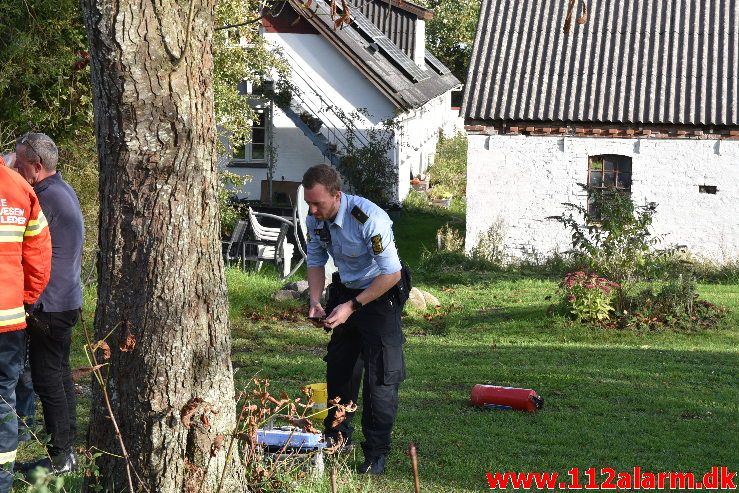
[[339, 315], [316, 313]]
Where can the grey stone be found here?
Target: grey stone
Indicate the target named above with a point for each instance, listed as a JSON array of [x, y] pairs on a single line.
[[430, 299], [305, 295], [299, 286], [416, 299], [285, 294]]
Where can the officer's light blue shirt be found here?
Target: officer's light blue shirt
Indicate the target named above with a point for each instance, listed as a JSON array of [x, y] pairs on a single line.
[[361, 243]]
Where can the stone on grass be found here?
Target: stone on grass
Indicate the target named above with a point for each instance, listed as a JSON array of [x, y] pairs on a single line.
[[285, 294], [431, 300], [416, 299], [299, 286]]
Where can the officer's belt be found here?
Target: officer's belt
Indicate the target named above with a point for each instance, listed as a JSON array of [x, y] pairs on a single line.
[[336, 281]]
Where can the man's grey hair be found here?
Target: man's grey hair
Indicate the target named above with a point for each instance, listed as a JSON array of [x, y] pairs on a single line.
[[40, 147]]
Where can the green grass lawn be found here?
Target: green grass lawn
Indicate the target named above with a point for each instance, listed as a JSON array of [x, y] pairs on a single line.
[[663, 401]]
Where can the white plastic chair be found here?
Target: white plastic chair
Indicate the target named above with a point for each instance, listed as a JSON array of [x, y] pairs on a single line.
[[269, 244]]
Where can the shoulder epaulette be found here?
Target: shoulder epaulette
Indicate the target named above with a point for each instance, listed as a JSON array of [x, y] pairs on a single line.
[[359, 214]]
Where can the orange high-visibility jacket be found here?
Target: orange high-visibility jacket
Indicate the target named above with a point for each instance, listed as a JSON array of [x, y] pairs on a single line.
[[25, 249]]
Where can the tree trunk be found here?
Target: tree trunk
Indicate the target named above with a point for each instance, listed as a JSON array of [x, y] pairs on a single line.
[[160, 268]]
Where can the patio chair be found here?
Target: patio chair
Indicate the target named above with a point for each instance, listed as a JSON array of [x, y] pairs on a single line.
[[233, 248], [269, 244]]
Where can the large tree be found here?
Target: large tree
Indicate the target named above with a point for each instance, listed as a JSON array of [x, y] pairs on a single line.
[[161, 279], [451, 32]]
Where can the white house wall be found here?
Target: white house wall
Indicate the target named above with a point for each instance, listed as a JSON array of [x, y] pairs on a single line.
[[318, 62], [516, 182], [419, 134], [330, 74]]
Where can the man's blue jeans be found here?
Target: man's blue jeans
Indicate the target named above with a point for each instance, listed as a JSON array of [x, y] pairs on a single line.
[[12, 349]]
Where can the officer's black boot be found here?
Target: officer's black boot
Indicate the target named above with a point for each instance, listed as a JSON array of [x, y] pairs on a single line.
[[373, 465], [60, 463]]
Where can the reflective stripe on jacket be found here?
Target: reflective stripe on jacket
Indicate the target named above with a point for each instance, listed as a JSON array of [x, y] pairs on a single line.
[[25, 249]]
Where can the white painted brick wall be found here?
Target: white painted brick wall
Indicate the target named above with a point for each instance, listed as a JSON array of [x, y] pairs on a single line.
[[522, 180]]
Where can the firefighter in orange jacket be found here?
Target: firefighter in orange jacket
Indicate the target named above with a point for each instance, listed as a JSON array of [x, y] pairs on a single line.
[[25, 265]]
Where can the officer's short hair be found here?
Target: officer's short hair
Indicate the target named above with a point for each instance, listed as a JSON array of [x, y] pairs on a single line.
[[40, 147], [322, 174]]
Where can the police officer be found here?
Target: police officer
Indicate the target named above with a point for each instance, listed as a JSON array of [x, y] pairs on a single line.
[[365, 301]]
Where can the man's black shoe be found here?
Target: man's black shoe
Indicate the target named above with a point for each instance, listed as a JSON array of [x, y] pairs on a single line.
[[373, 465], [59, 464]]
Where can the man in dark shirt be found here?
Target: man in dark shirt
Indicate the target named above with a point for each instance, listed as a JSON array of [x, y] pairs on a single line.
[[56, 312]]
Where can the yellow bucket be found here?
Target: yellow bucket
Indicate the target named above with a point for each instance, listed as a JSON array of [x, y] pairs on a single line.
[[320, 397]]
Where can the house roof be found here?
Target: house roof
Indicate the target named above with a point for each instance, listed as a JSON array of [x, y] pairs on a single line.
[[654, 62], [384, 64], [396, 20]]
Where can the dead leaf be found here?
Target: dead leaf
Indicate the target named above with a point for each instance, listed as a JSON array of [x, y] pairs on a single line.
[[105, 348], [217, 445], [341, 412], [337, 445], [192, 407], [128, 343], [302, 423], [78, 373]]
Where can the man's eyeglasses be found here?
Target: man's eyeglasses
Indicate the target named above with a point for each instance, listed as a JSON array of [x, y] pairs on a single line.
[[26, 140]]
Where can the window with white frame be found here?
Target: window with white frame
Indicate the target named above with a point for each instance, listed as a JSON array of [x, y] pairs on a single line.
[[254, 153]]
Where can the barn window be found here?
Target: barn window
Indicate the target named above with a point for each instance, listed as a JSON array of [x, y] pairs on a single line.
[[608, 172]]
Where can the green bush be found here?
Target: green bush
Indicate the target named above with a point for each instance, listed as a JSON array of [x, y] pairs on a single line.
[[449, 169], [588, 297], [614, 237], [490, 244], [78, 165], [653, 288], [416, 200], [449, 239], [367, 167], [230, 210]]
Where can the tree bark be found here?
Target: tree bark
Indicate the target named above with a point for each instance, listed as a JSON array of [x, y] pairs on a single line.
[[160, 268]]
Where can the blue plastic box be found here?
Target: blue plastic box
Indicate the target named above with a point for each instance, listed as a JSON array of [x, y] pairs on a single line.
[[290, 438]]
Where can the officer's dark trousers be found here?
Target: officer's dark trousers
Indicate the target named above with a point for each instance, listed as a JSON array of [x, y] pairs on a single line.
[[369, 342], [51, 337], [12, 349]]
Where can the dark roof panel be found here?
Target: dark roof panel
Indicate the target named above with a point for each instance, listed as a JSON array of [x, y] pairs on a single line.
[[633, 62], [397, 24], [389, 72]]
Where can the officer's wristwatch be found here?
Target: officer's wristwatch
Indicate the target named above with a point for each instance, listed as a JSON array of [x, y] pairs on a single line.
[[356, 305]]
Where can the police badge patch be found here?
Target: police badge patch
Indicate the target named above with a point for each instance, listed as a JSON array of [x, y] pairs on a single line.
[[377, 247]]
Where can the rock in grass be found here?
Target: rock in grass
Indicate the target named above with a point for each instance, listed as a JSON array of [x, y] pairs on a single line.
[[285, 294], [299, 286], [431, 300], [416, 299], [305, 296]]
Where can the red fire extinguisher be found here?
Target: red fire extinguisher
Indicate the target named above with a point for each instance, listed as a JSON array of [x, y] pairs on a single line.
[[495, 397]]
